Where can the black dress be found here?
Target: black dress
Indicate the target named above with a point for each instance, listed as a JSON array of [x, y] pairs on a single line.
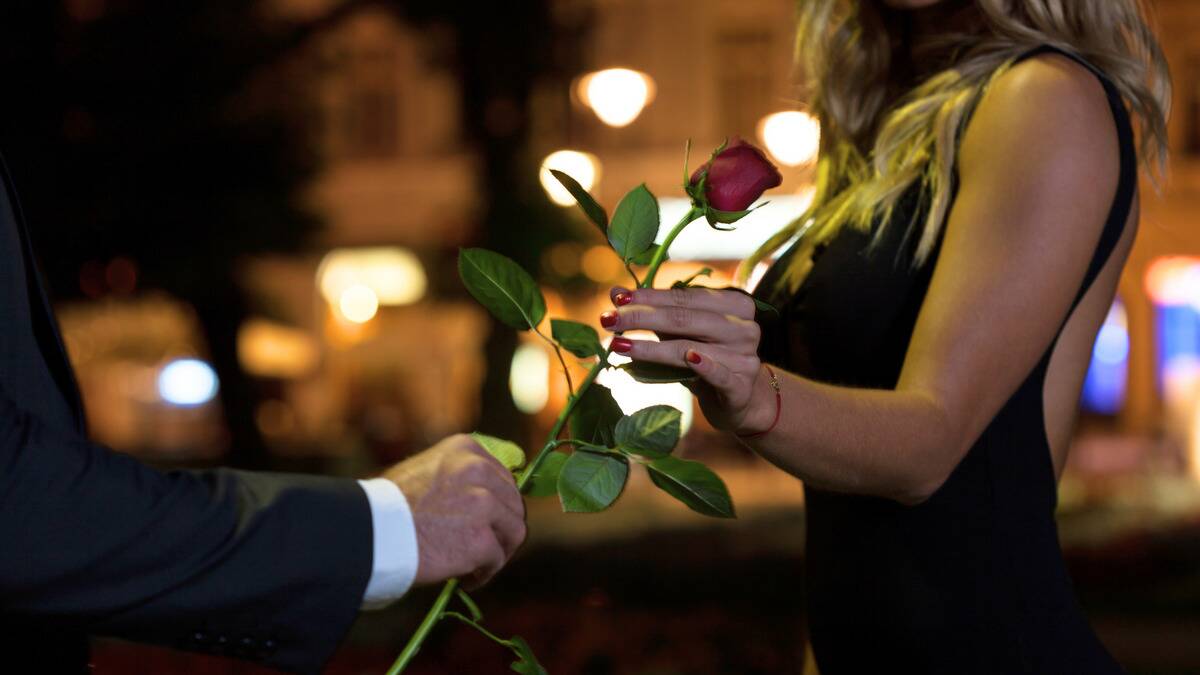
[[971, 581]]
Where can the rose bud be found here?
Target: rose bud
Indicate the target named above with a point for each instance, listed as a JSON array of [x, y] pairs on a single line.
[[738, 176]]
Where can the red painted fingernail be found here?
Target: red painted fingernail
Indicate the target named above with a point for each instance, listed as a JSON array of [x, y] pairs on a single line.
[[623, 298], [693, 357], [622, 345], [608, 319]]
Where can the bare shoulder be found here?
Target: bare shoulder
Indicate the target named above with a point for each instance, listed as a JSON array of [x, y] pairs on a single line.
[[1044, 130], [1046, 117]]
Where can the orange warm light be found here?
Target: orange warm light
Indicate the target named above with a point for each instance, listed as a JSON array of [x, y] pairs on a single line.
[[1174, 280]]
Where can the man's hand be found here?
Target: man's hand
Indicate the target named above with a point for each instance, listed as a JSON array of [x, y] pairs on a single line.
[[469, 517]]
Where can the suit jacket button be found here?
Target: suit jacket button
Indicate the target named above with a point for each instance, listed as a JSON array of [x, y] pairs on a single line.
[[200, 637], [269, 647]]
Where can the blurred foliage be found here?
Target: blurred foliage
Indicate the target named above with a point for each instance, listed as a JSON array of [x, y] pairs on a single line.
[[141, 128], [167, 133]]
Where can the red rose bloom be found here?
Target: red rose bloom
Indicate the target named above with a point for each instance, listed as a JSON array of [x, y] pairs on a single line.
[[738, 176]]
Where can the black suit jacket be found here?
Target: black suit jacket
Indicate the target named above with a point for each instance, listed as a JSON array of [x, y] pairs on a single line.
[[264, 567]]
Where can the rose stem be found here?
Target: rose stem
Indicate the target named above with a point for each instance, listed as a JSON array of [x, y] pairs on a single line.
[[527, 472], [436, 612], [661, 254], [431, 619], [439, 606]]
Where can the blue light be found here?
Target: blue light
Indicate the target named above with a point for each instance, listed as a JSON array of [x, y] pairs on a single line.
[[1112, 345], [1178, 340], [1104, 386], [187, 383]]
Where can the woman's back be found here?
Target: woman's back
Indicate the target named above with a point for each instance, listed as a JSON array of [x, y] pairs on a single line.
[[972, 579]]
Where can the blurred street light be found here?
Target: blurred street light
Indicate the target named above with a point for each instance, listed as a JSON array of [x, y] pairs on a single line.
[[633, 396], [792, 137], [616, 95], [394, 275], [1174, 281], [270, 349], [358, 304], [529, 378], [187, 383], [581, 166]]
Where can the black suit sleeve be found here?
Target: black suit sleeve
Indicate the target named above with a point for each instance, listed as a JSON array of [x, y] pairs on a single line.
[[266, 567]]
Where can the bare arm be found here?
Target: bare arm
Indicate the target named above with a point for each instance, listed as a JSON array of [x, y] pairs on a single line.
[[1038, 168]]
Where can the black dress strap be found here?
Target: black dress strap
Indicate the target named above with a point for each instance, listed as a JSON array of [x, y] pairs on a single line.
[[1127, 183]]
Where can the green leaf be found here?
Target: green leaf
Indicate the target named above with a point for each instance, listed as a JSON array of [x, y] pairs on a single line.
[[646, 256], [656, 373], [506, 452], [720, 148], [577, 338], [715, 216], [591, 481], [765, 307], [503, 287], [526, 663], [693, 484], [476, 613], [687, 158], [634, 224], [688, 282], [590, 206], [544, 481], [650, 432], [596, 416]]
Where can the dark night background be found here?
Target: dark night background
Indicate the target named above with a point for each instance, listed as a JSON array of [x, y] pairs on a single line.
[[163, 147]]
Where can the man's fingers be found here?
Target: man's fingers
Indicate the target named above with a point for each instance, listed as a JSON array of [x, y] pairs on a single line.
[[490, 558], [510, 532], [489, 461]]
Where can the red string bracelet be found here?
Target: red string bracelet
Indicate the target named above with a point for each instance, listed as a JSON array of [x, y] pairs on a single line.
[[778, 407]]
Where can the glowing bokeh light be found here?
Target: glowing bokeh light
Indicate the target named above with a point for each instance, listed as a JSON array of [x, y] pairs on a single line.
[[792, 137], [270, 349], [395, 275], [1106, 381], [600, 264], [358, 304], [1174, 280], [1112, 345], [633, 396], [187, 383], [529, 378], [617, 95], [581, 166]]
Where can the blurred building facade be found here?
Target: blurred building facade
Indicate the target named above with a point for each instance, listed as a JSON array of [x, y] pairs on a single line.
[[386, 109]]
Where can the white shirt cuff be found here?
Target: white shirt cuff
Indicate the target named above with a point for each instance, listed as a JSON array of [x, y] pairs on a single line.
[[394, 566]]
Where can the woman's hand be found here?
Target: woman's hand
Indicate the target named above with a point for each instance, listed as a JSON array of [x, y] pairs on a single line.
[[713, 332]]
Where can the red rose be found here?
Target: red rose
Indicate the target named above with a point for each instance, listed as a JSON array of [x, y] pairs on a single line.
[[738, 176]]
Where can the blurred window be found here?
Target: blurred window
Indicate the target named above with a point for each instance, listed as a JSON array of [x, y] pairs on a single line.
[[372, 115], [743, 59], [1173, 284]]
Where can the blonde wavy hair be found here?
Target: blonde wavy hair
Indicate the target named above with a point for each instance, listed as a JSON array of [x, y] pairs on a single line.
[[880, 135]]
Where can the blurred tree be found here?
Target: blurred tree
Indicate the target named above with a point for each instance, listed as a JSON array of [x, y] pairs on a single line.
[[503, 50], [138, 128], [165, 133]]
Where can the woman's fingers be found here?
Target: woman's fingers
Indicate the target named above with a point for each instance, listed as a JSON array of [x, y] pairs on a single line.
[[695, 324], [675, 353], [715, 372], [722, 302]]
